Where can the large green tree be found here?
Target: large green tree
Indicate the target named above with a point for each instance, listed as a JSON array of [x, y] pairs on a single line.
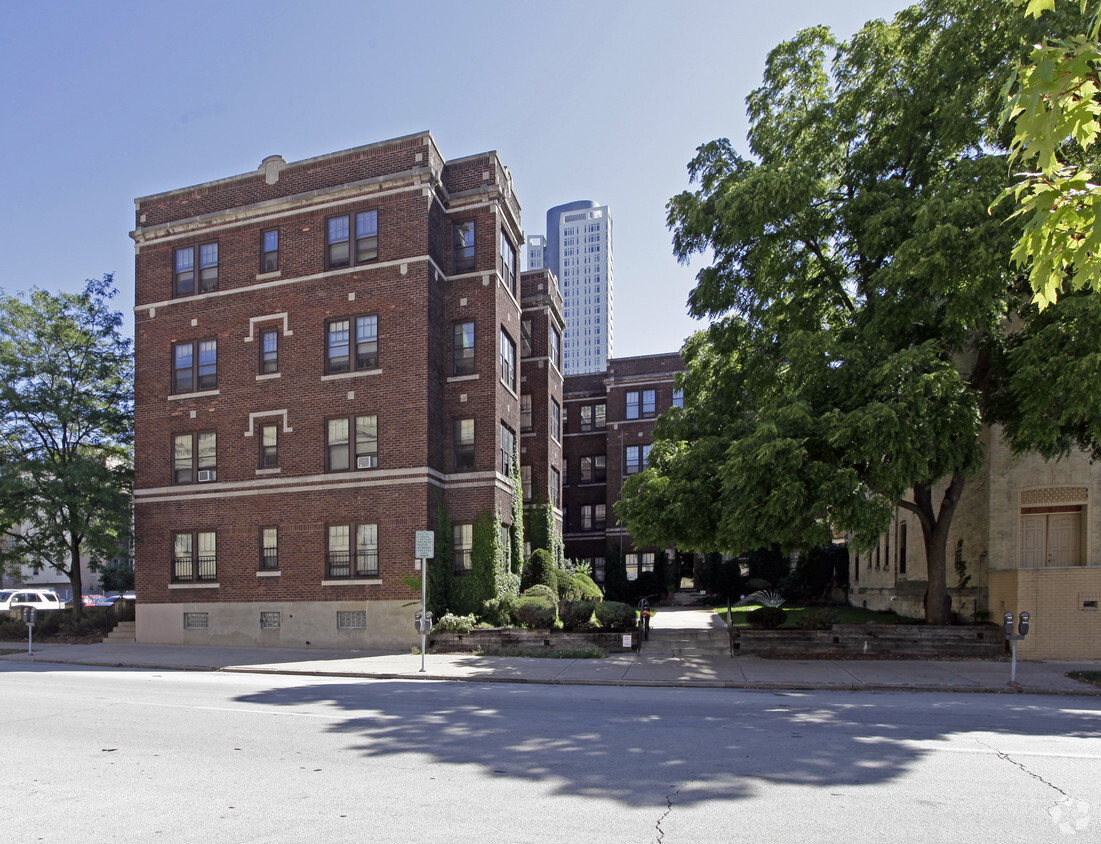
[[867, 320], [66, 435]]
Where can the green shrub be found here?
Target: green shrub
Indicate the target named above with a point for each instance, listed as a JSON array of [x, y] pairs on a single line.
[[497, 612], [566, 583], [455, 623], [821, 619], [587, 587], [615, 617], [540, 569], [575, 613], [767, 617], [535, 612], [541, 591]]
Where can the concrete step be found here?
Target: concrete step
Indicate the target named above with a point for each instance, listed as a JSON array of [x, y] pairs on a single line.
[[686, 643], [125, 631]]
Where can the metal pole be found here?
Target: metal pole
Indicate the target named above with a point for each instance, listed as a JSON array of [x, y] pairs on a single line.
[[30, 638], [1013, 670], [424, 610]]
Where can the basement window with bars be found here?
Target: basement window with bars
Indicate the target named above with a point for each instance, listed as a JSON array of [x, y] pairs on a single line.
[[269, 620], [196, 620]]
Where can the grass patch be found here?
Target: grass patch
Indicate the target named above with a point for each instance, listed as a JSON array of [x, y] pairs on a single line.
[[845, 615], [1091, 677]]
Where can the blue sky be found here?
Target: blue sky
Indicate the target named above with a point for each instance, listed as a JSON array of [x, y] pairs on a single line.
[[103, 102]]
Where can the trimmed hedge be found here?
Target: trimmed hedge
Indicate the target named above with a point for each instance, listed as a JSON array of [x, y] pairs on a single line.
[[534, 611], [615, 617], [540, 569], [575, 613]]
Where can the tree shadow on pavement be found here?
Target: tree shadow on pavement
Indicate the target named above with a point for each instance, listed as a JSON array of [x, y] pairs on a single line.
[[630, 745]]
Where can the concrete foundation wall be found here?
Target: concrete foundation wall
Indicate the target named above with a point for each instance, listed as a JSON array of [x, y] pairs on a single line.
[[301, 624]]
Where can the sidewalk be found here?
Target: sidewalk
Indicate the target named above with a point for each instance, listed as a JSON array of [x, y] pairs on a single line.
[[627, 669]]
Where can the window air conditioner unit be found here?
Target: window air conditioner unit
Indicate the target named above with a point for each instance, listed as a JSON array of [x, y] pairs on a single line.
[[207, 475], [368, 461]]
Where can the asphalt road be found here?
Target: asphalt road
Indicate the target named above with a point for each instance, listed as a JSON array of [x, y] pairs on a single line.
[[133, 755]]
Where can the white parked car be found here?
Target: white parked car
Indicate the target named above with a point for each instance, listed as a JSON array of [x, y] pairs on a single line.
[[42, 599]]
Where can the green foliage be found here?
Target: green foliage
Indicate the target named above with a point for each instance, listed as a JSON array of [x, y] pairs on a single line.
[[498, 612], [587, 588], [820, 619], [470, 591], [616, 585], [767, 617], [566, 583], [722, 577], [575, 613], [117, 576], [455, 623], [615, 617], [440, 574], [540, 569], [866, 318], [817, 572], [1054, 103], [516, 529], [535, 611], [541, 590], [66, 430]]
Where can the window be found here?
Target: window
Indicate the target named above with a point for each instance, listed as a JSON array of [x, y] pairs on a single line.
[[462, 445], [555, 488], [462, 242], [194, 557], [342, 453], [638, 458], [338, 344], [525, 481], [195, 457], [344, 560], [508, 263], [592, 517], [269, 548], [508, 446], [269, 446], [649, 402], [462, 540], [183, 279], [637, 563], [462, 348], [555, 420], [269, 251], [351, 619], [525, 412], [508, 360], [269, 620], [556, 347], [196, 620], [632, 405], [593, 469], [341, 236], [597, 564], [678, 397], [593, 417], [269, 352], [525, 338], [195, 366]]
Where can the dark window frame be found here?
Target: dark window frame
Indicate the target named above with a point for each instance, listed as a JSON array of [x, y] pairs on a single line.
[[269, 554], [462, 544], [649, 403], [196, 567], [269, 255], [269, 357], [269, 454], [463, 448], [633, 406], [361, 248], [507, 449], [359, 563], [462, 353], [356, 359], [195, 461], [508, 262], [463, 255], [200, 281], [508, 359], [597, 471], [195, 370], [352, 445]]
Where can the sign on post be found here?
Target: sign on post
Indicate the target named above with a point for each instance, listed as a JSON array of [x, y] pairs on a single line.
[[426, 544], [426, 549]]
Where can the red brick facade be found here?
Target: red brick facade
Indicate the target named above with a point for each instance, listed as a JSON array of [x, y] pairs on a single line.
[[410, 295]]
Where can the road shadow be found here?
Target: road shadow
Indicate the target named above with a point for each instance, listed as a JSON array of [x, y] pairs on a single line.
[[639, 744]]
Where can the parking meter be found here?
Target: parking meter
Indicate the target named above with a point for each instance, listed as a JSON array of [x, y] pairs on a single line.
[[423, 623], [1008, 619], [30, 615], [1023, 628], [1022, 631]]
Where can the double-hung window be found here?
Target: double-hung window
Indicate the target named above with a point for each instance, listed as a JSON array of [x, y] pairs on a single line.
[[269, 446], [592, 516], [555, 420], [462, 445], [593, 469], [525, 412], [638, 458], [339, 339], [360, 230], [508, 447], [555, 488], [352, 551], [462, 242], [556, 347], [649, 403], [462, 542], [195, 457], [525, 482], [525, 338], [678, 397], [351, 443], [194, 366], [269, 251], [462, 348], [187, 258], [194, 557], [269, 548], [508, 360], [508, 263], [269, 352], [632, 405]]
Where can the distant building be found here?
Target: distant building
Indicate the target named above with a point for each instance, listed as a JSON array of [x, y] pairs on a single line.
[[328, 352], [578, 250]]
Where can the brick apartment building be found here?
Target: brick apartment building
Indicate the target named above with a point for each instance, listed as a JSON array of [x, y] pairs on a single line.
[[328, 351], [610, 424]]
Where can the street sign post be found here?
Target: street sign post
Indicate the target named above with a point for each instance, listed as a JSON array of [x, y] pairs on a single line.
[[30, 616], [426, 550]]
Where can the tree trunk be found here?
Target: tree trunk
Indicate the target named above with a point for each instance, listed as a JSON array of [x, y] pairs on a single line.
[[75, 580], [934, 530]]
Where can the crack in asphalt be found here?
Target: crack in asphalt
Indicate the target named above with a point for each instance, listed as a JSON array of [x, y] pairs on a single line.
[[1032, 774], [668, 808]]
